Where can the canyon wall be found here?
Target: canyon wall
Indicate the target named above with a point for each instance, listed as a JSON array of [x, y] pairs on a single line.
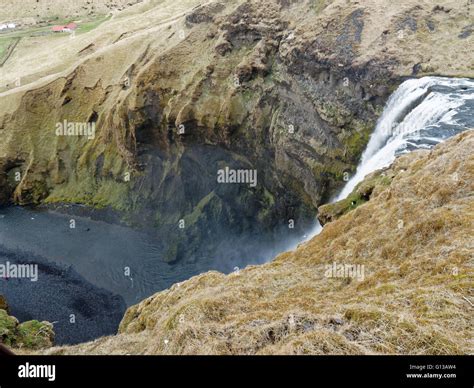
[[407, 290], [180, 90]]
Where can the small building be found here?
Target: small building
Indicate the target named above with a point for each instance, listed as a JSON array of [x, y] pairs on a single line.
[[7, 26], [67, 28]]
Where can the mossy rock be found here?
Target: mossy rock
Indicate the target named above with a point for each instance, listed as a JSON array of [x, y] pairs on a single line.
[[30, 335], [357, 140], [171, 253], [333, 211], [35, 335], [8, 326], [361, 194]]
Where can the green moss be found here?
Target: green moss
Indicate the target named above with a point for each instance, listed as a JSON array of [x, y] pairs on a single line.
[[356, 142], [98, 194], [236, 110], [113, 163], [334, 171], [334, 114], [30, 335], [367, 186], [8, 326], [113, 194], [268, 198], [172, 252], [248, 95], [5, 43], [198, 210], [360, 195], [34, 335], [266, 210], [89, 26], [352, 202]]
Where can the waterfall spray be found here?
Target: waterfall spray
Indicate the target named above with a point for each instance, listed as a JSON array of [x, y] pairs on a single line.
[[420, 114]]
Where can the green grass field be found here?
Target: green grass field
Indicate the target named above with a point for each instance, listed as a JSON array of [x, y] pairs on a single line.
[[4, 44], [89, 26], [8, 39], [5, 47]]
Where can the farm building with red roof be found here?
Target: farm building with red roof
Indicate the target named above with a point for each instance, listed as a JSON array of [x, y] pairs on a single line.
[[66, 28]]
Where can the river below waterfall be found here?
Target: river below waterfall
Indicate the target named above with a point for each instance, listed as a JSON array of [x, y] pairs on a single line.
[[118, 258], [108, 261], [96, 269]]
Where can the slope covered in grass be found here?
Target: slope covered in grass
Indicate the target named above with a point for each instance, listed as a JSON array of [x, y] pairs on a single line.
[[413, 238]]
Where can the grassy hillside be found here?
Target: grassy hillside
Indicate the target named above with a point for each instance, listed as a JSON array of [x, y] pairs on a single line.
[[414, 241]]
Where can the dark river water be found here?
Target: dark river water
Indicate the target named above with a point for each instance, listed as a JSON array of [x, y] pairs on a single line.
[[117, 258], [92, 271]]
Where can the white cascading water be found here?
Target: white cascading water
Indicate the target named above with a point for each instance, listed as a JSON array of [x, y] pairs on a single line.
[[420, 114]]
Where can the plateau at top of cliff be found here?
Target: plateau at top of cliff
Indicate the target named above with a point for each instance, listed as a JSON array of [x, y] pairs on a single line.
[[408, 36]]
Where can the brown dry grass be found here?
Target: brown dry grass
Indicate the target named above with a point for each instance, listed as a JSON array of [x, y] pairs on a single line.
[[414, 298]]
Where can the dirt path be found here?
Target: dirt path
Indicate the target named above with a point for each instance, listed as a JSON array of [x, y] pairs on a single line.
[[10, 50], [170, 13]]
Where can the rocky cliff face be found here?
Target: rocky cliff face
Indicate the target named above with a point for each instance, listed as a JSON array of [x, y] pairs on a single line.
[[392, 276], [178, 91]]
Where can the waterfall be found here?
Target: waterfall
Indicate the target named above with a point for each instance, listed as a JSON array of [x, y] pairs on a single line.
[[420, 114]]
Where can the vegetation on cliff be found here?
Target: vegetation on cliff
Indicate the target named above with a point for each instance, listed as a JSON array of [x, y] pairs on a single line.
[[27, 335], [177, 89], [411, 242], [361, 194]]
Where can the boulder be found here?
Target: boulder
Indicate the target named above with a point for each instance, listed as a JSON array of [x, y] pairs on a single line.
[[29, 335], [35, 335]]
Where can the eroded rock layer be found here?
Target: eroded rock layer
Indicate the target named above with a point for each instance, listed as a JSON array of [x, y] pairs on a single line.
[[178, 90]]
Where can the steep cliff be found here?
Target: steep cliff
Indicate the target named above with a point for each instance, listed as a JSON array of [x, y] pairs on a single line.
[[393, 276], [177, 90]]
